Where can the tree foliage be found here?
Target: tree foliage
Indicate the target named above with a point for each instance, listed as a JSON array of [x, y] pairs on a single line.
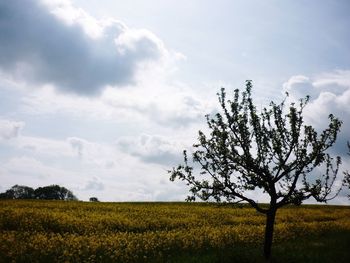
[[94, 199], [54, 192], [51, 192], [18, 192], [271, 150]]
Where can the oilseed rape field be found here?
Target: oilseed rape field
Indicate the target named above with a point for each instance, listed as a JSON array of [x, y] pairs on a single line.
[[59, 231]]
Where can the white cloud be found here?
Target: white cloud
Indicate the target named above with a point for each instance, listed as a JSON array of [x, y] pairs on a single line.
[[152, 149], [73, 16], [64, 152], [100, 170], [77, 144], [31, 171], [46, 101], [338, 81], [330, 95], [94, 184], [81, 55], [49, 148], [10, 129], [299, 86], [169, 106]]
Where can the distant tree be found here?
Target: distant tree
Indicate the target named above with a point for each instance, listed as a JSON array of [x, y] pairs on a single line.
[[18, 192], [51, 192], [94, 199], [54, 192], [271, 150]]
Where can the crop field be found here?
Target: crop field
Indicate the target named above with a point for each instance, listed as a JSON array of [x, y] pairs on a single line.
[[59, 231]]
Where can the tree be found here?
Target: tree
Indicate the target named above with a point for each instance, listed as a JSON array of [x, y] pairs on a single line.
[[51, 192], [18, 192], [94, 199], [54, 192], [272, 150]]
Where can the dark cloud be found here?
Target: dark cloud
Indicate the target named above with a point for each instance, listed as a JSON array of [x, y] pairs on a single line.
[[41, 48]]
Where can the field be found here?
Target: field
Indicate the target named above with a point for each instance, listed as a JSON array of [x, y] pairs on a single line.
[[58, 231]]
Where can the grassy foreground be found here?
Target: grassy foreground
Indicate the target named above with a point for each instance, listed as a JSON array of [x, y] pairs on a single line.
[[58, 231]]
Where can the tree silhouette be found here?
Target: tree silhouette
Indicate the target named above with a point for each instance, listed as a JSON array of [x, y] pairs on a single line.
[[93, 199], [50, 192], [18, 192], [54, 192], [272, 150]]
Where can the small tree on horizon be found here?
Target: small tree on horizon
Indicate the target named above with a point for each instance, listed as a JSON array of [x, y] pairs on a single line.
[[94, 199], [272, 150]]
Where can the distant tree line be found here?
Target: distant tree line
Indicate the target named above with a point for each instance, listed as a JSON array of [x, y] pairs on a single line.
[[50, 192]]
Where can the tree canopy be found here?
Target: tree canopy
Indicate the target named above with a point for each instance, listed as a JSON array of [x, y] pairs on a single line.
[[51, 192], [93, 199], [18, 192], [54, 192]]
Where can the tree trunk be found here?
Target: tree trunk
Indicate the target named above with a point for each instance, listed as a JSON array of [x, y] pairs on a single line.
[[270, 222]]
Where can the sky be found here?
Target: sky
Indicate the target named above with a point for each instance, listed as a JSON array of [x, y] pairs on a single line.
[[103, 96]]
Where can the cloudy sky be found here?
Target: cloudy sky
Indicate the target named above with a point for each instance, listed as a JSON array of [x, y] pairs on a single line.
[[102, 96]]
